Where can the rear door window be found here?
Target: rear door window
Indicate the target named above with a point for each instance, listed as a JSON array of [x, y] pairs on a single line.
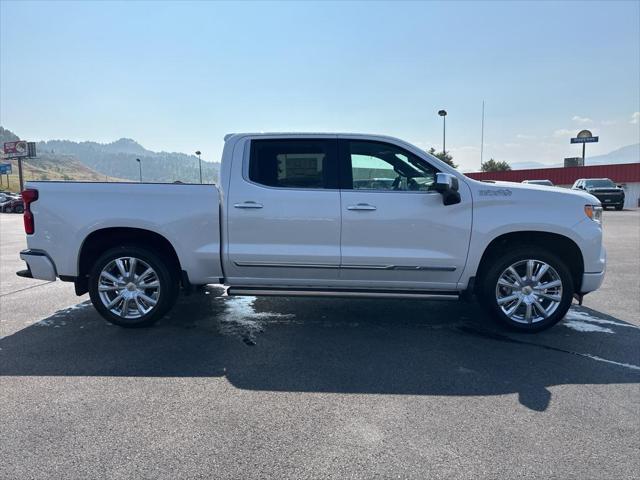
[[294, 163]]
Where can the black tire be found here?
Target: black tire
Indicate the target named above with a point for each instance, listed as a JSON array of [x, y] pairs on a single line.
[[168, 293], [619, 207], [489, 281], [18, 209]]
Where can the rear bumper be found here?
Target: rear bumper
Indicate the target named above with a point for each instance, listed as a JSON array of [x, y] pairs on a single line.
[[39, 265]]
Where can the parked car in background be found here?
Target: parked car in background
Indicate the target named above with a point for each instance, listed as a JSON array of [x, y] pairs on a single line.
[[539, 182], [6, 196], [15, 205], [609, 194], [10, 203]]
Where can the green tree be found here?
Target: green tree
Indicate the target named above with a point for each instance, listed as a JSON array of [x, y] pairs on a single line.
[[444, 156], [495, 166]]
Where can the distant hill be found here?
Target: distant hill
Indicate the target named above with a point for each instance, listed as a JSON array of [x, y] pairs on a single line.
[[58, 167], [49, 167], [527, 165], [7, 136], [628, 154], [118, 159]]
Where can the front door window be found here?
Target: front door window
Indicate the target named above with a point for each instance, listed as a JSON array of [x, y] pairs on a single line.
[[382, 166]]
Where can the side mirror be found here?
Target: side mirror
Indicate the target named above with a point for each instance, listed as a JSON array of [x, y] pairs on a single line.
[[447, 185], [445, 182]]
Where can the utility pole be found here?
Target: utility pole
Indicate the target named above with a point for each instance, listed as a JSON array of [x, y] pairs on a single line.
[[140, 165], [20, 177]]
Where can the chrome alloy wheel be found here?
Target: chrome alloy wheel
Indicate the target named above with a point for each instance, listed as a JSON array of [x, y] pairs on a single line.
[[529, 291], [129, 287]]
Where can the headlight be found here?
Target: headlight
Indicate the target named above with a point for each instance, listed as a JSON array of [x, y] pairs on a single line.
[[594, 212]]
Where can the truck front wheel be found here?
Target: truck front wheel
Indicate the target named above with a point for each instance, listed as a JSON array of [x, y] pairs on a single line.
[[132, 287], [527, 289]]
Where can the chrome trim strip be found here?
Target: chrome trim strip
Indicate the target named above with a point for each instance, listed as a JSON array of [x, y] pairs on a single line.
[[432, 269], [399, 267], [286, 265], [348, 266], [231, 291], [367, 267]]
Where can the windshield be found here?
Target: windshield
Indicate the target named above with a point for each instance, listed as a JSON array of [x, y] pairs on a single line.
[[604, 183]]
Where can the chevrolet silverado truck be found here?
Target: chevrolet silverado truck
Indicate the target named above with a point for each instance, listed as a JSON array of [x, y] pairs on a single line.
[[320, 215], [608, 193]]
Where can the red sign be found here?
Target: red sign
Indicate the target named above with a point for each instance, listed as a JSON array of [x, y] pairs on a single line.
[[16, 149]]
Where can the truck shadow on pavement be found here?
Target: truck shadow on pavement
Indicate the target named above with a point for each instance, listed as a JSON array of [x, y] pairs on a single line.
[[334, 346]]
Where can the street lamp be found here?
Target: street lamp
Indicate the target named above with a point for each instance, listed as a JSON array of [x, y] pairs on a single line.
[[140, 165], [198, 152], [443, 114]]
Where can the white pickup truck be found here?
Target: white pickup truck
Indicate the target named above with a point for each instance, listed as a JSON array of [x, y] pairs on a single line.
[[320, 215]]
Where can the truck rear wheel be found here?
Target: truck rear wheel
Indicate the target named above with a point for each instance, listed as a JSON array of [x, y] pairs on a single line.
[[528, 289], [132, 286]]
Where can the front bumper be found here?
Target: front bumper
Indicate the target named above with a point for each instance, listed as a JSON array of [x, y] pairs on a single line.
[[608, 200], [593, 280], [39, 265]]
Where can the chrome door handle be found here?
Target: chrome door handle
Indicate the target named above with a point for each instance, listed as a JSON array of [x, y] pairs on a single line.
[[361, 206], [248, 204]]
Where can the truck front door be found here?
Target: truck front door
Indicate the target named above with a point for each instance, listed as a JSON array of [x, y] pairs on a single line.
[[396, 232]]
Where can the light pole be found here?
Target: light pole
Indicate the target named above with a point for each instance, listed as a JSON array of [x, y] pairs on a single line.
[[443, 114], [198, 152], [140, 166], [482, 137]]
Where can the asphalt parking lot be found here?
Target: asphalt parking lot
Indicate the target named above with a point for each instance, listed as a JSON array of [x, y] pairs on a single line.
[[307, 388]]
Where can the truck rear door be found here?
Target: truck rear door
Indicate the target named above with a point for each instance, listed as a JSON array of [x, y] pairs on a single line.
[[283, 212]]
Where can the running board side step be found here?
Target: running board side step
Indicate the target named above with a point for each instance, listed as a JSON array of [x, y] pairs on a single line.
[[302, 292]]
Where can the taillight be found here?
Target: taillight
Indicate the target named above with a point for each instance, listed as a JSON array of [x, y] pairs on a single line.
[[29, 196]]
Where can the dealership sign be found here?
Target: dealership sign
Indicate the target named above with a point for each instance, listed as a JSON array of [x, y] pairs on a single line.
[[584, 136]]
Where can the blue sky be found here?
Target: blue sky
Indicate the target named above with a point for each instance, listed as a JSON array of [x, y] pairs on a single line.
[[177, 76]]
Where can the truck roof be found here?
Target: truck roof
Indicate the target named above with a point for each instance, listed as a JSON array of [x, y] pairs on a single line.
[[304, 134]]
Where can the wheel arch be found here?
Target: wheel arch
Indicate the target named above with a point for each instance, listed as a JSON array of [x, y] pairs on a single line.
[[103, 239], [555, 243]]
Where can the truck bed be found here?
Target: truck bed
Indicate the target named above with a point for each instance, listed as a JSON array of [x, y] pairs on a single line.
[[187, 215]]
